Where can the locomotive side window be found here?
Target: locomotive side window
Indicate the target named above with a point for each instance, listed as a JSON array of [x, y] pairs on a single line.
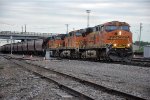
[[78, 34], [70, 34], [94, 29], [126, 28], [97, 28], [102, 28], [58, 38], [111, 28]]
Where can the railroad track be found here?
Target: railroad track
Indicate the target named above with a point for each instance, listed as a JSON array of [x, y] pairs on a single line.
[[74, 85], [134, 62], [141, 60], [43, 73]]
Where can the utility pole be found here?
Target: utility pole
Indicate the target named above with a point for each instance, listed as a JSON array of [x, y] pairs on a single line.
[[88, 16], [25, 28], [11, 45], [140, 35], [67, 28], [22, 29]]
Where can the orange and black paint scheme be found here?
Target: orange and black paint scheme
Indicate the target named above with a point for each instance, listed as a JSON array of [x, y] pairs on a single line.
[[108, 41]]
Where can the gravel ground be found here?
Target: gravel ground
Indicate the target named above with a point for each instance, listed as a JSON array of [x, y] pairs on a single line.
[[87, 90], [18, 84], [130, 79]]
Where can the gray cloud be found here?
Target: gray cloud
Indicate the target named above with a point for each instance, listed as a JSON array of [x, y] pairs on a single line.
[[52, 15]]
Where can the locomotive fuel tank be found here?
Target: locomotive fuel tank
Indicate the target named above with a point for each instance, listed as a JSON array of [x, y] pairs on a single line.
[[65, 53], [91, 54]]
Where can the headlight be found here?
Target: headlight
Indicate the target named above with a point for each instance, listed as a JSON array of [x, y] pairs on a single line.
[[128, 45], [114, 45], [119, 33]]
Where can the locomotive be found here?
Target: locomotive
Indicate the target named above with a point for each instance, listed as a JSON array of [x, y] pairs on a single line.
[[108, 41]]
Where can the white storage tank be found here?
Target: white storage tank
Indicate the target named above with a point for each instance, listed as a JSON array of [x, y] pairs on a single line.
[[147, 51]]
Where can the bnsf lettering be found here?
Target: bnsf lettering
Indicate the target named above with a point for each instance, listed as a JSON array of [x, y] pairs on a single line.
[[118, 37]]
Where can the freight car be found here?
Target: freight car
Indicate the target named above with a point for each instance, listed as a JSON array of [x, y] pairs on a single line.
[[108, 41], [33, 47]]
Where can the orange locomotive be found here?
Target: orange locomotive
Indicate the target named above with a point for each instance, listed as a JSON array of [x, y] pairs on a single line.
[[108, 41]]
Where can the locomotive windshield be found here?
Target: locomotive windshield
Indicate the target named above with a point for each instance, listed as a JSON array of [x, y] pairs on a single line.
[[78, 34], [126, 28], [58, 38], [111, 28]]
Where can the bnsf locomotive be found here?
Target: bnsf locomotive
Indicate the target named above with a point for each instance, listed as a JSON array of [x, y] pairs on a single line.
[[108, 41]]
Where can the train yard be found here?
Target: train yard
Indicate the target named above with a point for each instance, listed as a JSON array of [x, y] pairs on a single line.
[[94, 63], [74, 50], [84, 80]]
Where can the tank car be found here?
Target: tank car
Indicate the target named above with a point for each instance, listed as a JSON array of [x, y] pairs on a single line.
[[2, 49], [24, 47], [38, 46], [20, 49], [7, 48], [15, 48], [31, 47], [28, 47]]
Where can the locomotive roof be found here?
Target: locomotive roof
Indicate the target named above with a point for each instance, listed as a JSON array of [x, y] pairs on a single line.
[[116, 23]]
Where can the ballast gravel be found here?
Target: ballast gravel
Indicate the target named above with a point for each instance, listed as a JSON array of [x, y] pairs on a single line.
[[18, 84], [134, 80]]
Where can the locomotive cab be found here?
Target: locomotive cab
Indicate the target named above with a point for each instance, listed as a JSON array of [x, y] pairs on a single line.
[[118, 40]]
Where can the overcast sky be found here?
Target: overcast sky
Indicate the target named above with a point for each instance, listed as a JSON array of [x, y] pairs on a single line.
[[52, 15]]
